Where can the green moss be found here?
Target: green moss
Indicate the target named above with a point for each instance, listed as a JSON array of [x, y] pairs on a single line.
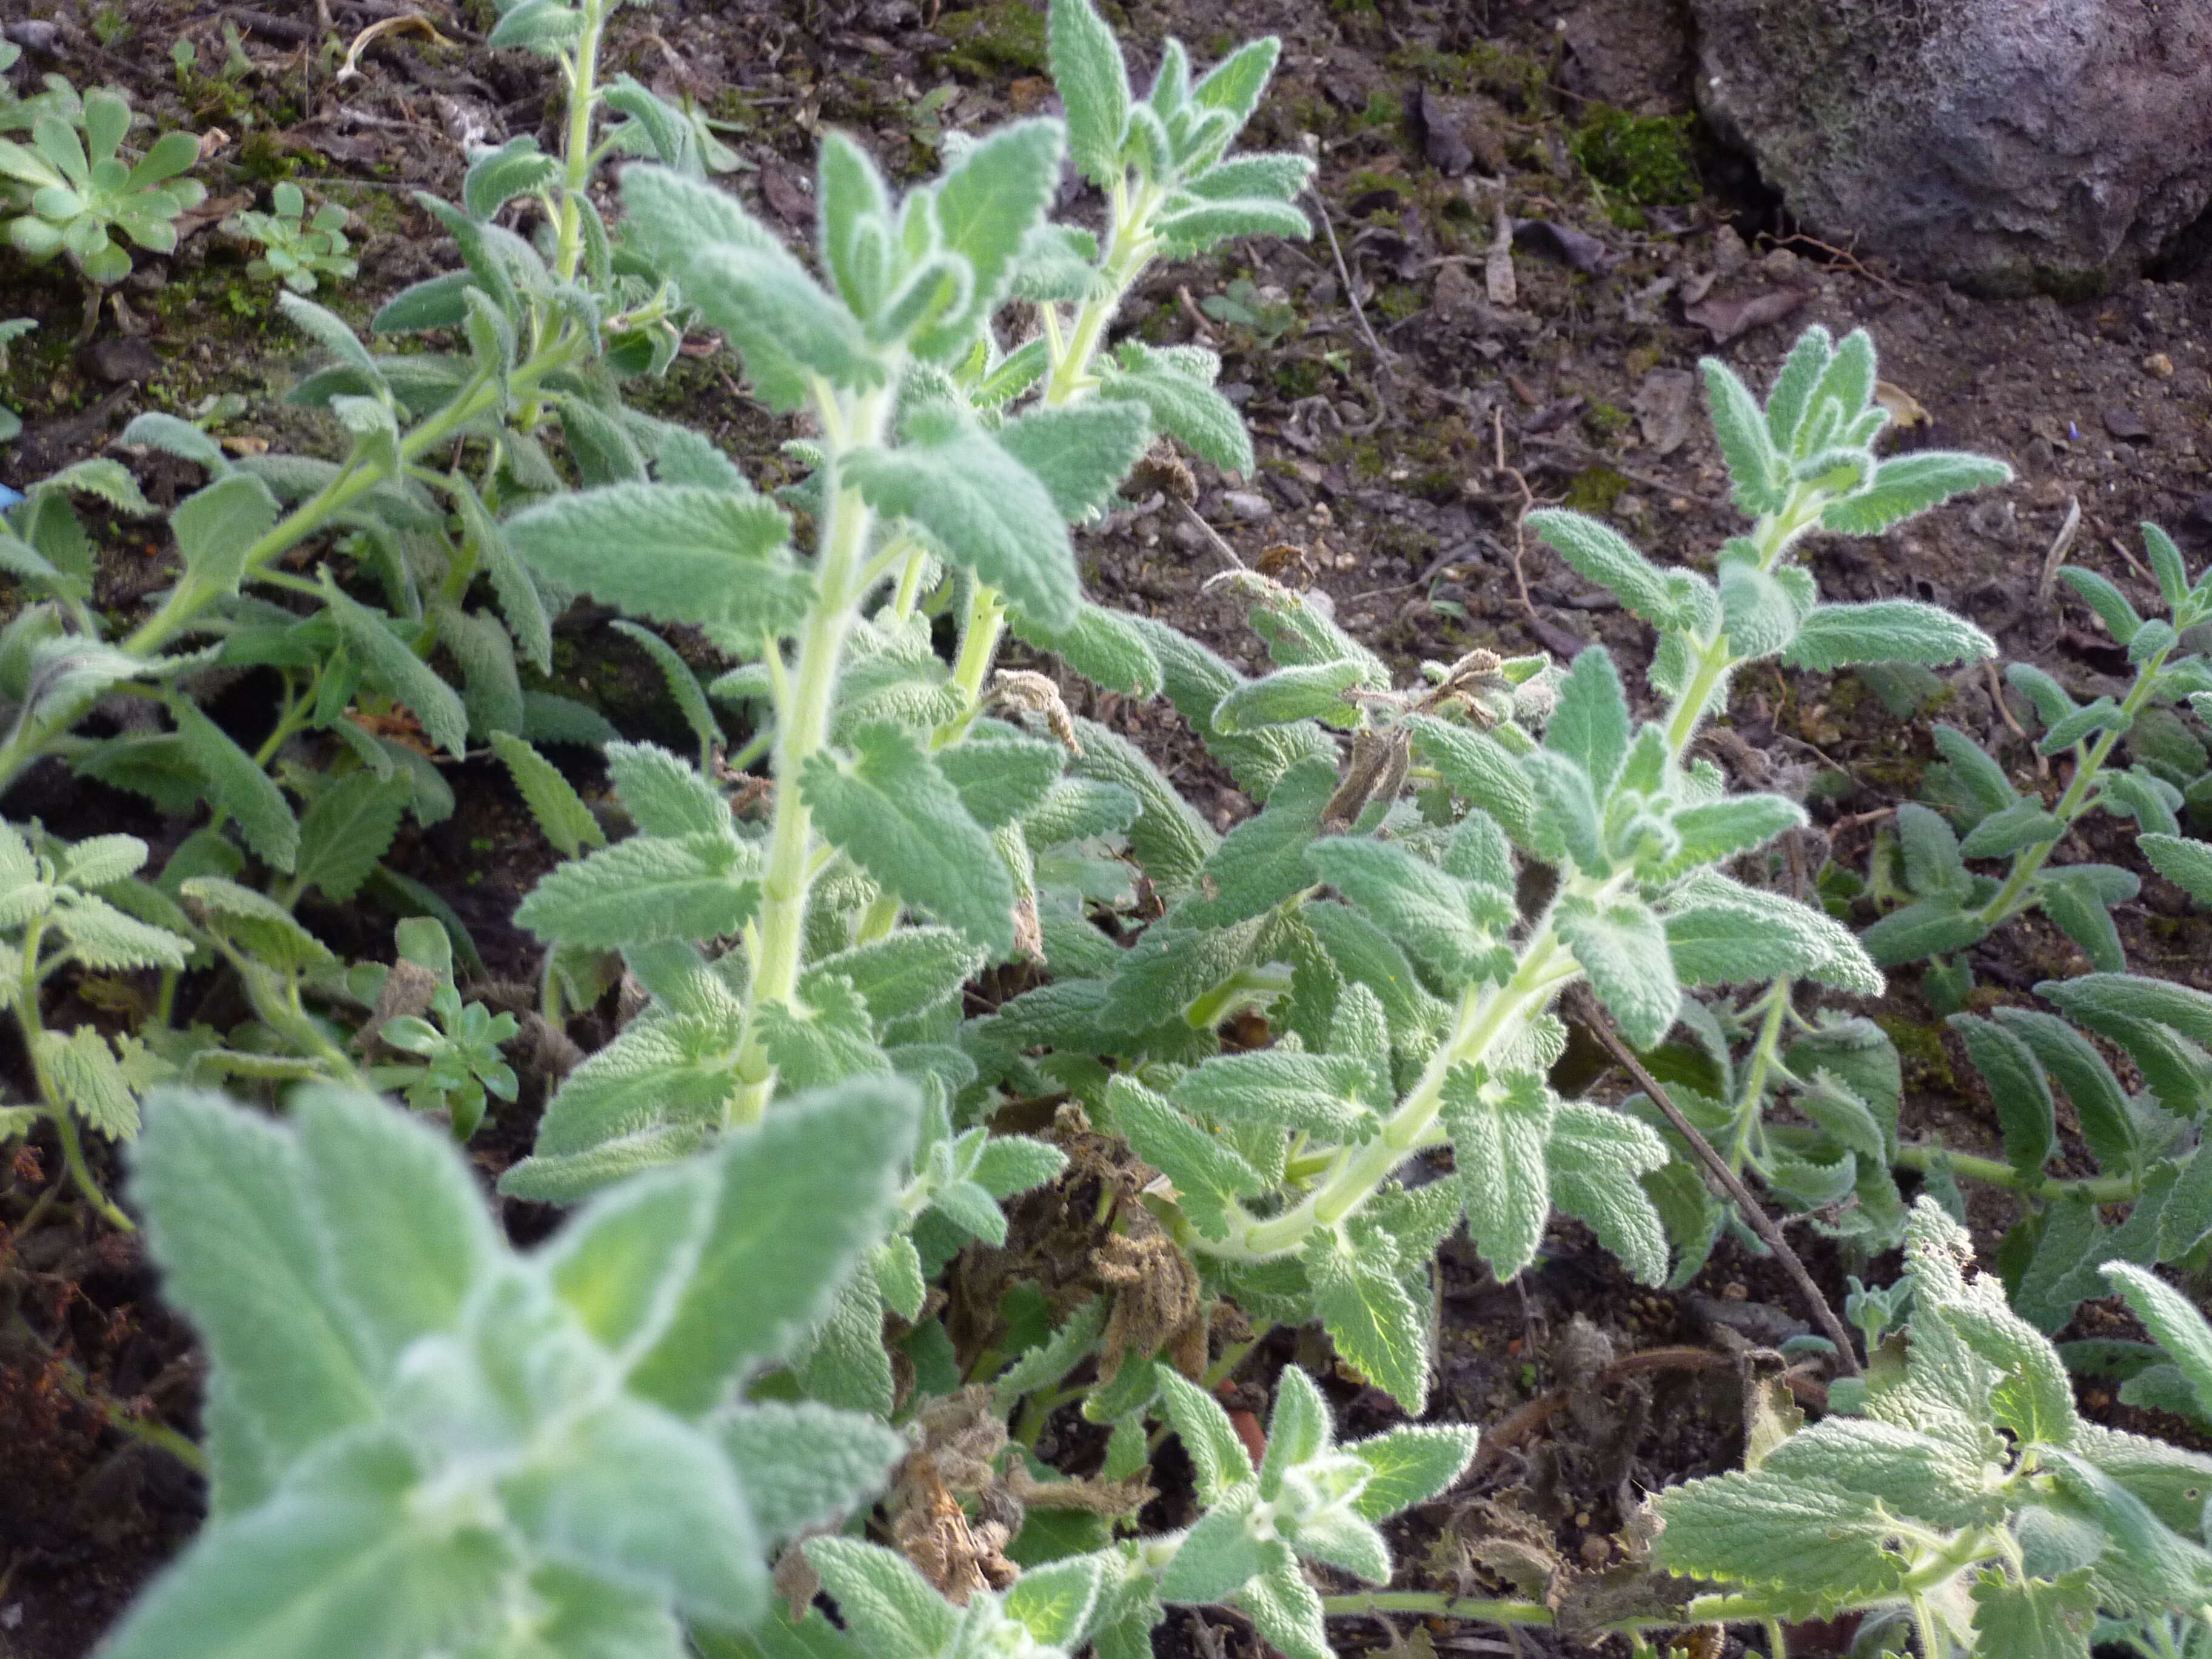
[[1921, 1049], [1298, 377], [1399, 301], [1595, 490], [1006, 36], [1644, 159], [264, 159], [1603, 420], [1385, 110]]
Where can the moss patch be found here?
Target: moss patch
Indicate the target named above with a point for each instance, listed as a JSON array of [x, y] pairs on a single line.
[[1643, 160], [1008, 36]]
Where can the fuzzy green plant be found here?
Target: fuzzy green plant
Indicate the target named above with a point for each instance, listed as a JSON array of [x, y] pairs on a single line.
[[298, 249], [922, 970], [75, 193]]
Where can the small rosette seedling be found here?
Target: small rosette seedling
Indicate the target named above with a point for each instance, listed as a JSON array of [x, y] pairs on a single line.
[[81, 193], [423, 1443], [297, 249], [1963, 1503]]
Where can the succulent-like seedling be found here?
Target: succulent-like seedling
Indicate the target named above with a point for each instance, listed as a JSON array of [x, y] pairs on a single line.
[[77, 192], [297, 248]]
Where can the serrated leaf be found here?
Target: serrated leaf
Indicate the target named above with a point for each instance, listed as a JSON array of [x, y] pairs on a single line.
[[1219, 1463], [1746, 445], [395, 670], [898, 818], [106, 938], [654, 1094], [238, 785], [1088, 73], [801, 1465], [1180, 404], [1001, 780], [717, 556], [1499, 1135], [986, 204], [1596, 1158], [1410, 1466], [909, 973], [1624, 950], [409, 1236], [1375, 1325], [804, 1193], [1811, 1549], [255, 924], [1885, 630], [217, 526], [665, 794], [348, 830], [982, 506], [683, 685], [230, 1223], [1907, 484], [566, 822], [1442, 921], [1721, 929], [2173, 1323], [1208, 1173], [1600, 554], [1081, 453], [647, 888], [83, 1072]]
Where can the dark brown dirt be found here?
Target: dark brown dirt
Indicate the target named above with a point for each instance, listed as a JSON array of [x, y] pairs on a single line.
[[1398, 477]]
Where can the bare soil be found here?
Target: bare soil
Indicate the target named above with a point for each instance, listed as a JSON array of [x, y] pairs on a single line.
[[1405, 410]]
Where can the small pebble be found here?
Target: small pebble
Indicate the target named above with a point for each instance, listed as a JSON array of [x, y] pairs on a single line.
[[2159, 365], [1247, 505]]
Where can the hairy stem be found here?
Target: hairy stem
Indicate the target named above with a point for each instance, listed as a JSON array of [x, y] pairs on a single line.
[[1928, 1158], [58, 1108], [802, 727], [35, 732], [576, 147], [2013, 897]]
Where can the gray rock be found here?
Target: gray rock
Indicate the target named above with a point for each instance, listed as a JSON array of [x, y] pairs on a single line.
[[1248, 505], [2005, 145]]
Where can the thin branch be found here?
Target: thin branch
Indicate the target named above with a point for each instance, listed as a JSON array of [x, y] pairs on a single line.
[[1383, 360], [1220, 543], [1770, 1235]]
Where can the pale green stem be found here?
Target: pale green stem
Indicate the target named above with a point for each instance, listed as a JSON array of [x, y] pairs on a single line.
[[191, 597], [1128, 252], [2100, 1189], [1490, 1015], [2012, 897], [583, 99], [57, 1108], [803, 711], [1756, 1070]]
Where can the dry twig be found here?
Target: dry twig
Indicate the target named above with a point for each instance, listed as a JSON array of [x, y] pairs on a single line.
[[1753, 1213]]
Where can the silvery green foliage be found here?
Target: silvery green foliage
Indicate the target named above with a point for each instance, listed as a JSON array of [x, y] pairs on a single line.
[[421, 1442], [1975, 812], [1383, 937], [1309, 1500], [1961, 1498]]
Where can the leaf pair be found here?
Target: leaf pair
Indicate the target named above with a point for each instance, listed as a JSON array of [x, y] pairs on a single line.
[[410, 1427]]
